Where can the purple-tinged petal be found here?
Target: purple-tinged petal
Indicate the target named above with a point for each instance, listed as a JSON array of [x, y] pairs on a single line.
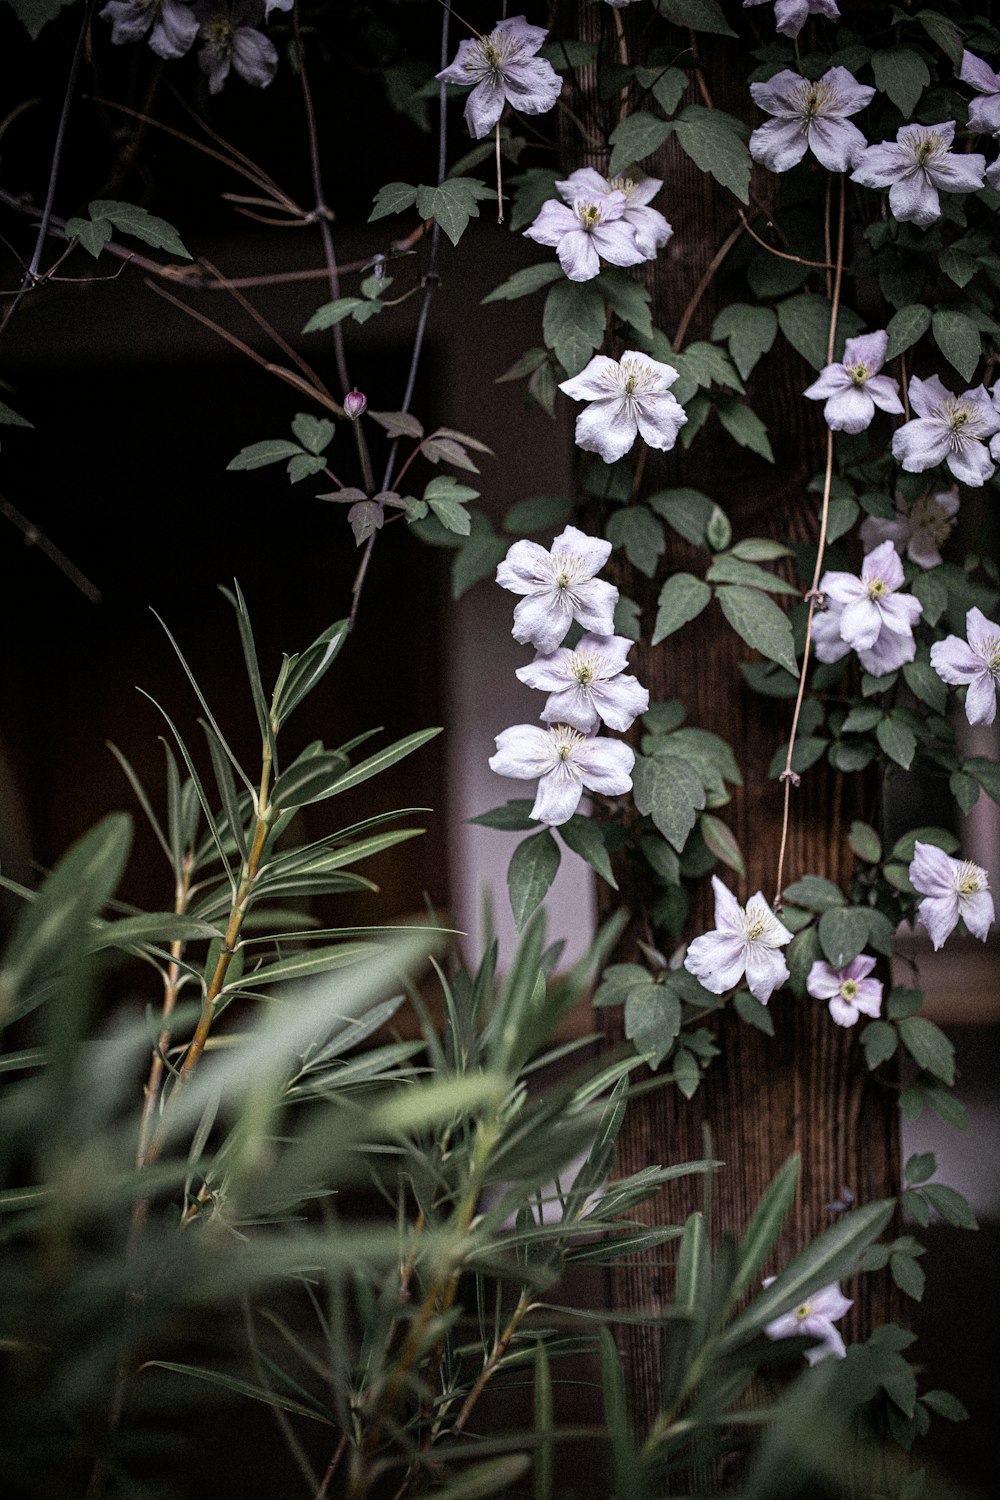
[[842, 588], [523, 752], [594, 605], [557, 798], [541, 620], [979, 74], [766, 971], [717, 960], [978, 914], [954, 661], [836, 144], [607, 428], [920, 444], [850, 410], [884, 391], [778, 145], [981, 699], [914, 200], [578, 256], [606, 765]]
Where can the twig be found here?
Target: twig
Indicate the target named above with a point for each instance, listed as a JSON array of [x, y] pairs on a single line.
[[35, 538], [788, 776], [703, 285], [31, 273], [800, 260]]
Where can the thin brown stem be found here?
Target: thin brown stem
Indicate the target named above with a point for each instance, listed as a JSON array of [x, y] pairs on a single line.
[[286, 348], [35, 538], [788, 776], [331, 1469], [703, 285], [800, 260], [171, 989], [499, 166], [490, 1366]]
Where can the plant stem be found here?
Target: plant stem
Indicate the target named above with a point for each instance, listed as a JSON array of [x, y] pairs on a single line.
[[788, 776]]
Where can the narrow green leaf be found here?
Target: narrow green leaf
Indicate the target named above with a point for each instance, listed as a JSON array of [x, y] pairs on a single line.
[[383, 759], [762, 1233], [241, 1388], [531, 871]]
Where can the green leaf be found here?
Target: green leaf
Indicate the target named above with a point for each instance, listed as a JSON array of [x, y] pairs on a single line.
[[583, 836], [716, 142], [452, 204], [944, 33], [11, 418], [629, 300], [688, 512], [802, 953], [865, 842], [720, 839], [479, 557], [759, 549], [903, 75], [805, 322], [637, 530], [393, 199], [904, 847], [130, 219], [538, 514], [529, 279], [957, 265], [638, 136], [929, 1047], [744, 426], [383, 759], [35, 13], [314, 433], [907, 1275], [493, 1476], [833, 1255], [750, 331], [668, 85], [986, 772], [309, 779], [304, 465], [758, 621], [920, 1167], [925, 684], [270, 451], [861, 718], [652, 1020], [699, 15], [753, 1012], [671, 792], [398, 423], [531, 871], [573, 322], [764, 1229], [731, 569], [452, 514], [958, 339], [815, 892], [933, 595], [897, 740], [512, 817], [880, 1041], [309, 961], [241, 1388], [946, 1405], [843, 932], [964, 790], [906, 327], [950, 1204], [93, 236], [447, 487]]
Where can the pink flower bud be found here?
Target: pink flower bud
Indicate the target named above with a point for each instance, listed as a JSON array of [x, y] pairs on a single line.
[[355, 404]]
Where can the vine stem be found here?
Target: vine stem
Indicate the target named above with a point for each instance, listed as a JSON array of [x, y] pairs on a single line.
[[31, 274], [788, 776]]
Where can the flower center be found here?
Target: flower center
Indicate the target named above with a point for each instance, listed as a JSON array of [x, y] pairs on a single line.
[[858, 373], [877, 587], [848, 989], [930, 518], [219, 31], [989, 650], [565, 741], [634, 377], [971, 879], [927, 147], [802, 1312], [812, 101], [567, 569], [622, 185], [494, 52], [585, 667], [589, 214], [757, 922]]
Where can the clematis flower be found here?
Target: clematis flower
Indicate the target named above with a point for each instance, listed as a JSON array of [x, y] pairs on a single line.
[[984, 114], [951, 888], [993, 175], [947, 429], [815, 1315], [588, 684], [650, 228], [854, 388], [230, 42], [976, 662], [744, 940], [170, 24], [587, 233], [916, 167], [791, 15], [849, 990], [502, 68], [627, 397], [921, 531], [559, 587], [868, 613], [565, 762], [809, 115]]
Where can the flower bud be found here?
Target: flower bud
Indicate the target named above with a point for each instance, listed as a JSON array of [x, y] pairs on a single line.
[[355, 404]]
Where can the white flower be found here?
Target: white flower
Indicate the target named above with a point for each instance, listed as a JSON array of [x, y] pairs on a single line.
[[984, 113], [951, 888], [849, 990], [627, 396], [815, 1315], [853, 388], [916, 167], [947, 429], [921, 531], [588, 684], [810, 115], [868, 613], [559, 587], [649, 226], [791, 15], [587, 233], [744, 940], [502, 68], [565, 762], [976, 662]]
